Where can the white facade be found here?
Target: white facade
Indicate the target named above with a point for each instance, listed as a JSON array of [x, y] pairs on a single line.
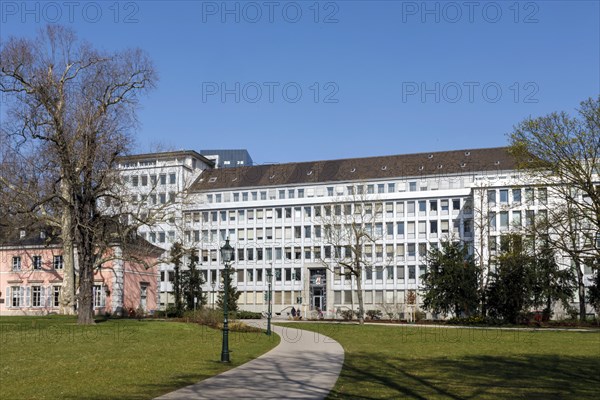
[[280, 226], [158, 183]]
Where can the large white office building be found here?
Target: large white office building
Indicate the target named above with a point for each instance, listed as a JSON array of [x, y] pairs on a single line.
[[276, 217]]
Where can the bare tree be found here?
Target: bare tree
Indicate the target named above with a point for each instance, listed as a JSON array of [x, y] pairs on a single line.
[[563, 153], [74, 108], [353, 228]]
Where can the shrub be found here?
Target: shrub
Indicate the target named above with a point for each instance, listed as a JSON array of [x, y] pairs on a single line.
[[173, 312], [248, 315], [346, 314], [420, 316], [374, 314]]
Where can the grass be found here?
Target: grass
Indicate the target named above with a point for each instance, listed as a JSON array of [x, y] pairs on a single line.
[[54, 358], [383, 362]]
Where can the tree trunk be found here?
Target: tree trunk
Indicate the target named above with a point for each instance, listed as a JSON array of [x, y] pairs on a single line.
[[581, 288], [67, 293], [361, 309], [85, 311]]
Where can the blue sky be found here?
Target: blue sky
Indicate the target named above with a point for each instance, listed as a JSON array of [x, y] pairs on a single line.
[[375, 77]]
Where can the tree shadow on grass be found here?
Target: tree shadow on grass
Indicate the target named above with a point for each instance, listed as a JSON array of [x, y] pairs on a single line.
[[471, 377]]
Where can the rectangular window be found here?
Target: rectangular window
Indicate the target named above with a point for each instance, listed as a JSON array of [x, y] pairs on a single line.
[[56, 296], [492, 220], [411, 272], [516, 196], [444, 206], [491, 195], [433, 227], [36, 296], [36, 262], [529, 195], [144, 180], [410, 208], [389, 228], [98, 296], [412, 186], [456, 204], [16, 263], [504, 220], [433, 206], [516, 218], [543, 195], [503, 196], [16, 296], [445, 226], [172, 179], [391, 187], [400, 272]]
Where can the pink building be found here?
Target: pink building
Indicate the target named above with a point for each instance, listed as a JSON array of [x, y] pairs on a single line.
[[31, 274]]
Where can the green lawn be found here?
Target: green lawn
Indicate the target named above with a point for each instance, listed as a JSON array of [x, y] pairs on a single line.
[[384, 362], [54, 358]]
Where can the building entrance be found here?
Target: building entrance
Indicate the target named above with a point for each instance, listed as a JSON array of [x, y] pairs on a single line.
[[317, 288]]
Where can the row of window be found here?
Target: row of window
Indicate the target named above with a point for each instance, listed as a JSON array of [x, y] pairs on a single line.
[[340, 297], [396, 251], [38, 296], [152, 180], [501, 220], [493, 195], [308, 232], [402, 208], [36, 262], [330, 191]]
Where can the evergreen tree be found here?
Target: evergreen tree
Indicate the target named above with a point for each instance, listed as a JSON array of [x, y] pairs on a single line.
[[550, 283], [594, 291], [191, 284], [232, 293], [176, 256], [510, 290], [451, 282]]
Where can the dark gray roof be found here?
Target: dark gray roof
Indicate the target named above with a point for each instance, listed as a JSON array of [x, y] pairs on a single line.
[[358, 169], [34, 236]]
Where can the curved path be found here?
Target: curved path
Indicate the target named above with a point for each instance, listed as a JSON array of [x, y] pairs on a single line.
[[305, 365]]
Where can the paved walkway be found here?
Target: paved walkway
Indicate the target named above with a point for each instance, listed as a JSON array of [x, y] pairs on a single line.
[[305, 365]]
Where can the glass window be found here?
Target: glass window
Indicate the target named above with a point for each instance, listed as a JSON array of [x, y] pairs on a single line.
[[491, 194], [58, 262], [516, 195], [504, 196], [543, 195]]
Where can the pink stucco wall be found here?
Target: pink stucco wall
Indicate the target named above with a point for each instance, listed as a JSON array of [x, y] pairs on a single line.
[[47, 278]]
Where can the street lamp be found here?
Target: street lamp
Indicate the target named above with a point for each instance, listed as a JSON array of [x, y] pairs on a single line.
[[226, 257], [269, 294]]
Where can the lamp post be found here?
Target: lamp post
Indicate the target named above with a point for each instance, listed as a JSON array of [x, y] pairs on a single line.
[[269, 294], [226, 256]]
